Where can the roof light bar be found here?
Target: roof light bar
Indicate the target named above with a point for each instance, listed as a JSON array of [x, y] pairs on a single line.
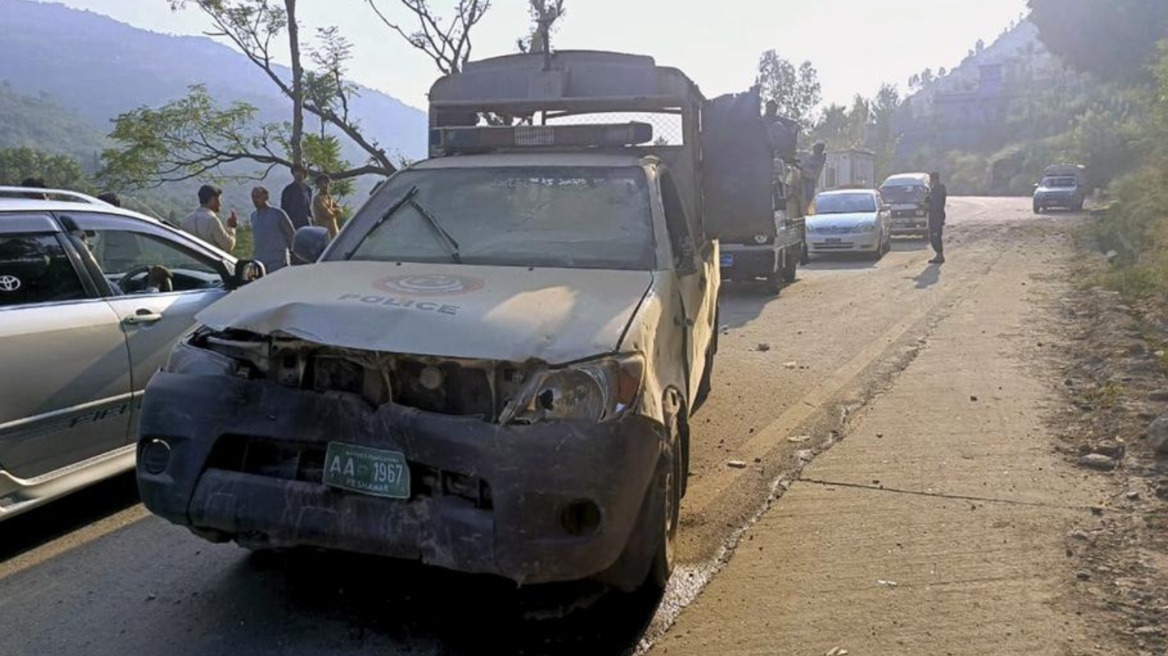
[[480, 139]]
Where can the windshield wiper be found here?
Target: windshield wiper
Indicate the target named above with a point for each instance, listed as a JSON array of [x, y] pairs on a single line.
[[451, 245], [389, 213]]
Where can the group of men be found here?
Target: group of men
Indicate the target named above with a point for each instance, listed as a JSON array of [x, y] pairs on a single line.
[[273, 228]]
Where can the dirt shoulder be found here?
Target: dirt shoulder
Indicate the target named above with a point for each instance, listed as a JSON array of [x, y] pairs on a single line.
[[1116, 385], [939, 524]]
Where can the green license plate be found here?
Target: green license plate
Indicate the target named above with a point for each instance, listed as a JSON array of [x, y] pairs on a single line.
[[368, 471]]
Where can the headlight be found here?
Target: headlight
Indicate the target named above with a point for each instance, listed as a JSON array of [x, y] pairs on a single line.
[[761, 239], [189, 359], [811, 229], [865, 227], [601, 390]]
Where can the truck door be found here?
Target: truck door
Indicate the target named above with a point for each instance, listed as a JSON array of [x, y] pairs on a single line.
[[695, 274]]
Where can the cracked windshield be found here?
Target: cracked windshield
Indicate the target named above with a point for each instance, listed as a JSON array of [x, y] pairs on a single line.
[[584, 327]]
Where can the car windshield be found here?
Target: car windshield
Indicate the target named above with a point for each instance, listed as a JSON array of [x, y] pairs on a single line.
[[845, 203], [1059, 183], [903, 193], [551, 216]]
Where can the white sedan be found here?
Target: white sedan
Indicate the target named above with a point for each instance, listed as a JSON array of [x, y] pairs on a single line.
[[849, 221]]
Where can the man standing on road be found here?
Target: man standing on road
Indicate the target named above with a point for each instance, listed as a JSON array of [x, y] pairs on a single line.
[[296, 199], [273, 232], [205, 223], [935, 201]]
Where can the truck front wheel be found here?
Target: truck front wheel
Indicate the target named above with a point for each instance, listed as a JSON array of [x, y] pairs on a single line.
[[671, 473]]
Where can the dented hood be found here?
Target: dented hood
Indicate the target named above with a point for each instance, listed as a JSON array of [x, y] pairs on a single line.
[[499, 313]]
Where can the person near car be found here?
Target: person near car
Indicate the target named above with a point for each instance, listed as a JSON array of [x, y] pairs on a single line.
[[272, 230], [205, 223], [935, 201], [812, 169], [325, 210], [35, 183], [296, 199]]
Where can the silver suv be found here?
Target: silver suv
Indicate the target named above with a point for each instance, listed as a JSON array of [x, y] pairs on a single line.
[[92, 298]]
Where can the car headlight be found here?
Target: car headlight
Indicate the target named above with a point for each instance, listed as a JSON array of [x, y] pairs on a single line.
[[187, 358], [761, 239], [595, 391], [865, 227]]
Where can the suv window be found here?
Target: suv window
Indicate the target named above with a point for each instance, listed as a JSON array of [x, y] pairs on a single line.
[[126, 258], [36, 269]]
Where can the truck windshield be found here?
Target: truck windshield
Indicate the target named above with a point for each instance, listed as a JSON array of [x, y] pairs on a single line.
[[845, 203], [570, 217], [903, 193]]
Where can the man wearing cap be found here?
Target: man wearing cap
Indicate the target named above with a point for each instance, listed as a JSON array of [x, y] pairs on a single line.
[[205, 223]]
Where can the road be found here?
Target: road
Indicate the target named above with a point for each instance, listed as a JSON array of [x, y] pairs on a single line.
[[96, 574]]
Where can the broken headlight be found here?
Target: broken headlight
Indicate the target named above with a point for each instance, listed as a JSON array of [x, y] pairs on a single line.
[[187, 358], [599, 390]]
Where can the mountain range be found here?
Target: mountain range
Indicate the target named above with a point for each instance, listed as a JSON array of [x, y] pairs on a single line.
[[95, 68]]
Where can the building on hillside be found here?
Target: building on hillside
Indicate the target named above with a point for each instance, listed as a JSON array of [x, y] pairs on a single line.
[[850, 168]]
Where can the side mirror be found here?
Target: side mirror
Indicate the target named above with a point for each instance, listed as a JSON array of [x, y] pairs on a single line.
[[309, 243], [247, 271]]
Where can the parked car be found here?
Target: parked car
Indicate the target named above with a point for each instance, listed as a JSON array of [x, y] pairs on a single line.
[[1062, 185], [905, 195], [853, 221], [86, 318]]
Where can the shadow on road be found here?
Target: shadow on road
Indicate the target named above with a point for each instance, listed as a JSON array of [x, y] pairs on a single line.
[[929, 277], [743, 302], [905, 245], [59, 518], [341, 601]]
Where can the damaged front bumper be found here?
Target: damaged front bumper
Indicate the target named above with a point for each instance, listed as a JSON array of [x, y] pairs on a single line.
[[234, 459]]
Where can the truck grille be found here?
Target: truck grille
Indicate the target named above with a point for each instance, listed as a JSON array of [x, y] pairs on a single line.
[[304, 462]]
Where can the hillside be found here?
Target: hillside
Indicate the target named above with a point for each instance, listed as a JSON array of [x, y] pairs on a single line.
[[99, 68], [41, 124]]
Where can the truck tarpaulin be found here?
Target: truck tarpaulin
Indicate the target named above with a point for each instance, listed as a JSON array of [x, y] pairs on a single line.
[[738, 165]]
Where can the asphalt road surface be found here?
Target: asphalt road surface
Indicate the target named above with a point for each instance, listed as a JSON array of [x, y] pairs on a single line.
[[96, 574]]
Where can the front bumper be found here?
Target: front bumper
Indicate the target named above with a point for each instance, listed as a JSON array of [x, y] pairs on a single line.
[[1055, 200], [524, 480], [857, 242]]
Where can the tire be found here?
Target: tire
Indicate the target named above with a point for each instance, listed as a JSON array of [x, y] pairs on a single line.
[[790, 270], [671, 474], [1037, 208], [774, 283]]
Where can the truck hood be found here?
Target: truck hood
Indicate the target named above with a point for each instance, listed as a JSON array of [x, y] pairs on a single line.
[[508, 314]]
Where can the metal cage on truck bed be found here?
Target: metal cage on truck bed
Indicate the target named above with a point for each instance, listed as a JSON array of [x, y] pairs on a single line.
[[581, 86]]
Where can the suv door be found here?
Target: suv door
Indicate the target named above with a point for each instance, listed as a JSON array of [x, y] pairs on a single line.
[[65, 388], [153, 319]]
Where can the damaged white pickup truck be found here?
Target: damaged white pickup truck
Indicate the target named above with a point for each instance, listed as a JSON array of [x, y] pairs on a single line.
[[491, 369]]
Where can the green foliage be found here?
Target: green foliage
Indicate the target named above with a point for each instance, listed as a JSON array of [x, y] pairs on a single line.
[[796, 91], [58, 171], [1136, 225], [1112, 38], [187, 139]]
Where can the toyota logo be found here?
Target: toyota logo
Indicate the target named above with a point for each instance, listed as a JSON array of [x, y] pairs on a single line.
[[9, 283]]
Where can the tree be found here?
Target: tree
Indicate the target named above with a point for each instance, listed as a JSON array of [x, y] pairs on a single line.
[[795, 91], [58, 171], [544, 15], [447, 43], [927, 77], [979, 47], [1109, 39], [194, 136]]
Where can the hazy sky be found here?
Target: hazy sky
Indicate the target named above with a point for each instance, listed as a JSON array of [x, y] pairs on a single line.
[[855, 44]]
